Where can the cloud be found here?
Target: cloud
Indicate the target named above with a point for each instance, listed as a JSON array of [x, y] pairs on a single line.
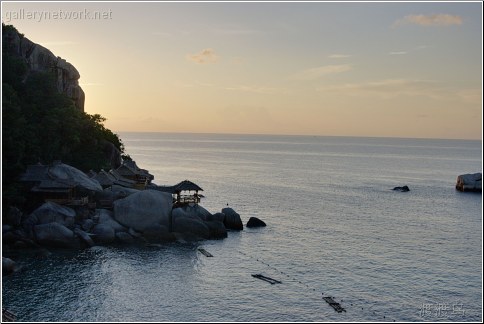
[[471, 96], [315, 73], [336, 56], [255, 89], [390, 88], [398, 53], [204, 57], [429, 20]]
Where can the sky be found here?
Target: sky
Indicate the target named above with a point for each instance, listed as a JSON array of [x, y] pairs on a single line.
[[377, 69]]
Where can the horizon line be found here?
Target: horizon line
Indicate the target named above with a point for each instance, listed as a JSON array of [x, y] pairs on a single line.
[[299, 135]]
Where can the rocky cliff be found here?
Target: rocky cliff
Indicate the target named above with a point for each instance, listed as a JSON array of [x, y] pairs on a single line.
[[39, 58]]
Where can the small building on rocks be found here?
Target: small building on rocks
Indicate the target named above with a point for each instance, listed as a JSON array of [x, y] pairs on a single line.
[[184, 193], [59, 183], [131, 171]]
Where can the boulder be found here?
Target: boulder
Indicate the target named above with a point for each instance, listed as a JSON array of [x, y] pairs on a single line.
[[51, 212], [12, 217], [219, 217], [87, 225], [55, 235], [133, 233], [194, 228], [9, 237], [84, 237], [8, 266], [158, 234], [232, 219], [6, 228], [112, 153], [255, 222], [104, 234], [124, 237], [194, 211], [143, 209], [66, 172], [216, 229], [469, 182], [402, 189], [116, 192], [105, 217]]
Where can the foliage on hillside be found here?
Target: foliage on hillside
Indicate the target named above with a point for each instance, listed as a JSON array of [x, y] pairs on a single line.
[[41, 125]]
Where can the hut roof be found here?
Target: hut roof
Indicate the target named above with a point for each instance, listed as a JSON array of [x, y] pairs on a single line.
[[130, 168], [186, 185], [122, 181], [104, 178], [182, 186]]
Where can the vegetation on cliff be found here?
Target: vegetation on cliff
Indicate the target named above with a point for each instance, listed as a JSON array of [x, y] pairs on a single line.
[[39, 124]]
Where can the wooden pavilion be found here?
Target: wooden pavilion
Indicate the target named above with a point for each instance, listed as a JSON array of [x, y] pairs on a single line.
[[182, 192]]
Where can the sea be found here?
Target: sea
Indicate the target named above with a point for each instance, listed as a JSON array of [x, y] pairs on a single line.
[[335, 228]]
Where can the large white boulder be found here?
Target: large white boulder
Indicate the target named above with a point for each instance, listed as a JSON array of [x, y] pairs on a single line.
[[143, 209], [469, 182]]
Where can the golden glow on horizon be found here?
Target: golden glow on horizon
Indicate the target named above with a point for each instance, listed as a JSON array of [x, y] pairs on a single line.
[[312, 69]]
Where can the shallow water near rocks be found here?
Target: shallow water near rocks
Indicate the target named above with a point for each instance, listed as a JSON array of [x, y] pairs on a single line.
[[334, 228]]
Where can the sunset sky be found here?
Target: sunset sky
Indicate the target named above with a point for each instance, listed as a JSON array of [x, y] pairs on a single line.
[[344, 69]]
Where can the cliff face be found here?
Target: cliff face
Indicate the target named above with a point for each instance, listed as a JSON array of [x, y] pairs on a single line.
[[39, 58]]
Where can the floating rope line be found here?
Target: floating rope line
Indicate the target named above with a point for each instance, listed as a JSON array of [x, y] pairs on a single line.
[[329, 299]]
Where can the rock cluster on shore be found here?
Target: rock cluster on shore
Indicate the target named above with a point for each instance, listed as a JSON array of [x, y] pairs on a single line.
[[134, 217], [144, 216]]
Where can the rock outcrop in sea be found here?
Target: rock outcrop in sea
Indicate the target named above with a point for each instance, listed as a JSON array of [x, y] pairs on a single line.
[[469, 182]]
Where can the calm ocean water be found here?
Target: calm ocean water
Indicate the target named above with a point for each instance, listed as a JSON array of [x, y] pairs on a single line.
[[335, 227]]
